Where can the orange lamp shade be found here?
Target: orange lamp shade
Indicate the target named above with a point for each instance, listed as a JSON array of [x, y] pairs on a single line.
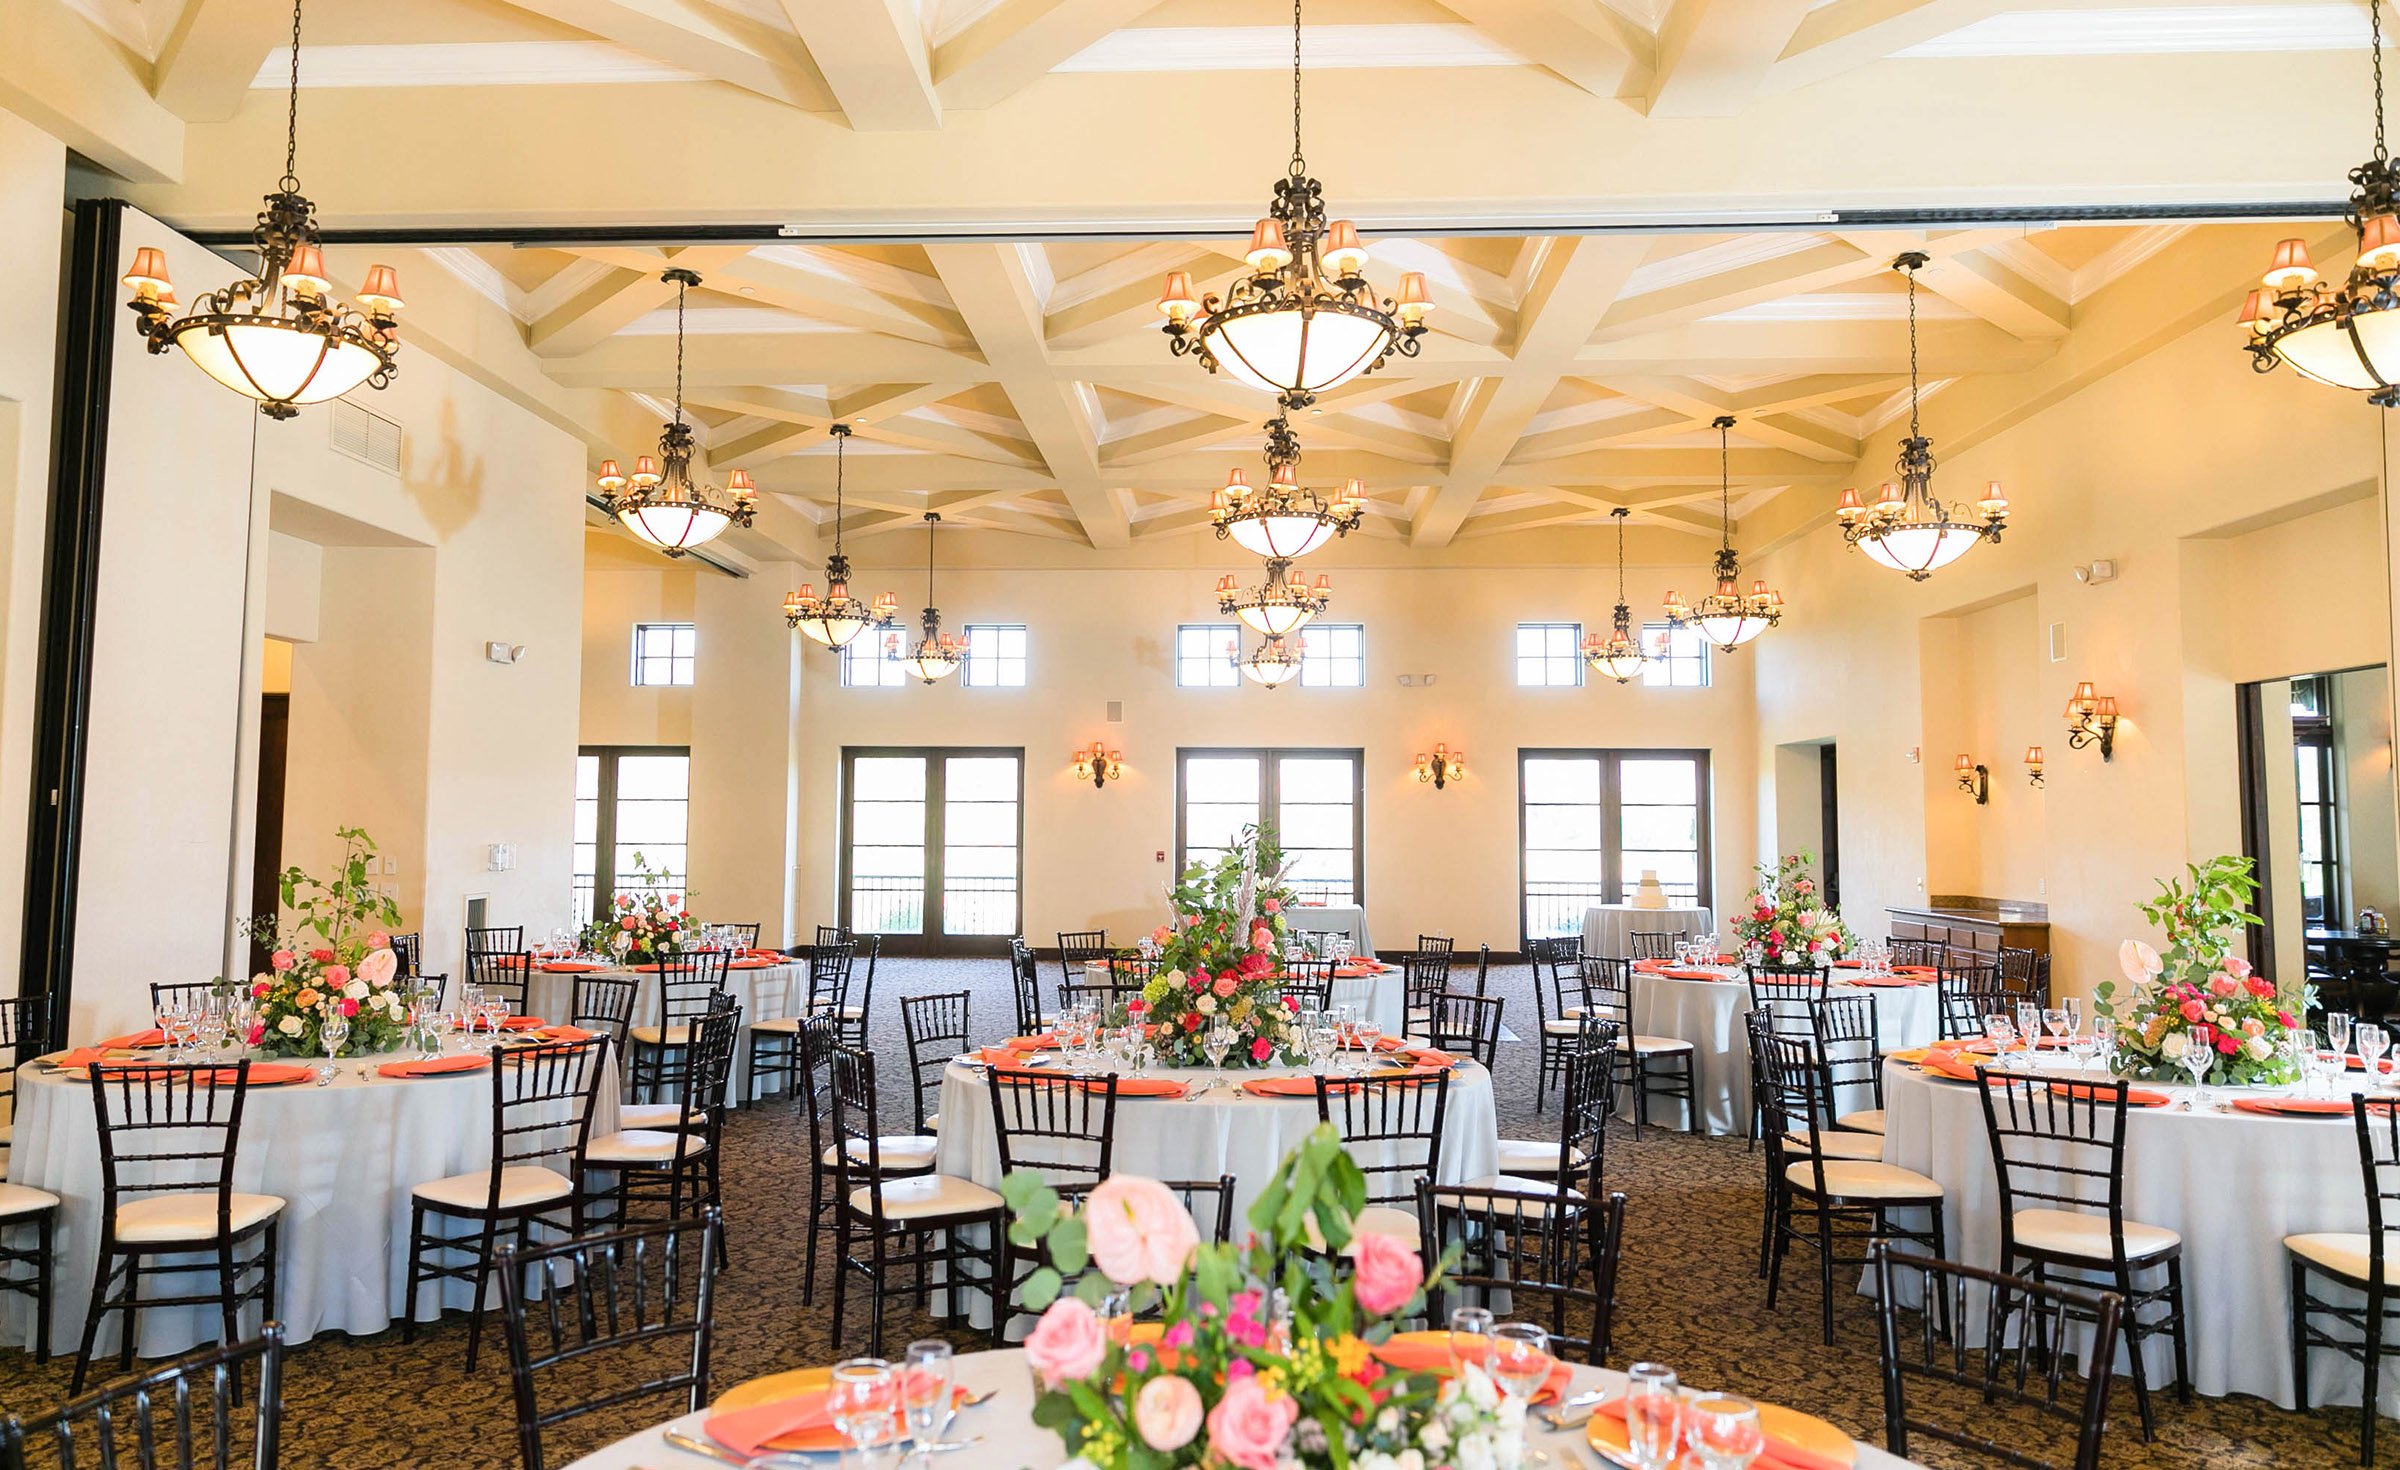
[[148, 277], [382, 291], [2107, 708], [2379, 244], [2254, 316], [1994, 502], [1413, 299], [2291, 269], [2033, 756], [306, 273], [611, 477], [740, 483], [1345, 255], [1268, 252], [645, 472], [1848, 507], [1176, 302], [1965, 763]]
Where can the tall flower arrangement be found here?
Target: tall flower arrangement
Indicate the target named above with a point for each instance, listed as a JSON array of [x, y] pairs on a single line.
[[1217, 957], [646, 924], [1261, 1360], [335, 957], [1786, 917], [2196, 991]]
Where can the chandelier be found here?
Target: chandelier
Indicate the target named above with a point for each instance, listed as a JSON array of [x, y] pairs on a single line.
[[662, 505], [1276, 661], [2347, 337], [937, 654], [1728, 617], [1282, 604], [1618, 655], [1305, 319], [1283, 522], [278, 337], [1907, 529], [837, 617]]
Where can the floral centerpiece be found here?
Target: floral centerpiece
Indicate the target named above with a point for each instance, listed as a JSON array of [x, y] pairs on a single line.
[[1216, 958], [2197, 991], [646, 924], [1259, 1360], [1787, 919], [335, 958]]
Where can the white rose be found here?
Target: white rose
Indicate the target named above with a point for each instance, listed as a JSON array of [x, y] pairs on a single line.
[[355, 990], [2258, 1048], [1435, 1436], [1388, 1422], [1375, 1460], [1206, 1005], [2173, 1046], [1412, 1460], [1474, 1453], [289, 1025]]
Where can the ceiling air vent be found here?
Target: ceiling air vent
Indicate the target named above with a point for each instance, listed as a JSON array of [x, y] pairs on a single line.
[[368, 437]]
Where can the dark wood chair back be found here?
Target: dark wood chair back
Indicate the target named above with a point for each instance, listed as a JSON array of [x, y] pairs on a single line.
[[1399, 1123], [604, 1003], [184, 1415], [409, 951], [1849, 1037], [1468, 1024], [1788, 994], [1555, 974], [1062, 1128], [1653, 944], [1025, 981], [1564, 1260], [501, 972], [1607, 990], [2056, 1147], [168, 1128], [937, 1030], [1077, 948], [542, 1100]]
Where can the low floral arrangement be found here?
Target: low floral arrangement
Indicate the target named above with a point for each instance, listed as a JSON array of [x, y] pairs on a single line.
[[1217, 959], [1259, 1359], [336, 958], [2197, 991], [1787, 918], [646, 925]]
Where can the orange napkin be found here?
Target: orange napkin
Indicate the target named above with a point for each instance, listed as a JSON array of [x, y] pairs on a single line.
[[571, 967], [1356, 972], [1664, 972], [1430, 1353], [1883, 982], [1780, 1454], [796, 1423], [1143, 1086], [2135, 1097], [151, 1037], [2328, 1107], [1947, 1061], [1001, 1057], [1046, 1041], [270, 1074], [1430, 1058], [775, 956], [1380, 1043], [82, 1056], [436, 1066], [522, 1023], [1281, 1087], [565, 1033], [750, 964]]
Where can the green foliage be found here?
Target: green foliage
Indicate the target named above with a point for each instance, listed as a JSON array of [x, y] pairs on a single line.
[[339, 911]]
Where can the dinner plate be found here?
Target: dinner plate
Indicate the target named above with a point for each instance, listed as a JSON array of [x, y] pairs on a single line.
[[1606, 1435], [822, 1440]]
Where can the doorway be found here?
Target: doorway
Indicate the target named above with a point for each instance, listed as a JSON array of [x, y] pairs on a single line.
[[933, 847]]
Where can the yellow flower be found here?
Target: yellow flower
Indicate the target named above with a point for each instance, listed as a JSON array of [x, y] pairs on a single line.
[[1350, 1354]]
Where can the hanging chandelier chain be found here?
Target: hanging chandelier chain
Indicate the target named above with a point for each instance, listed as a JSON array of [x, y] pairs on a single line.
[[291, 115], [2375, 49], [1913, 432], [1299, 169], [1724, 483], [679, 290], [841, 440]]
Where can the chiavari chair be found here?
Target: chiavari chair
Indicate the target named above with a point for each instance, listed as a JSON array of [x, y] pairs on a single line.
[[24, 1031], [1557, 1003], [1653, 944], [622, 1318], [182, 1415], [184, 991], [1818, 1200], [1309, 983], [1393, 1127], [774, 1042], [2007, 1382], [1566, 1259], [1078, 948], [660, 1055], [604, 1003], [1968, 992], [2361, 1264], [1651, 1066], [885, 1222], [857, 1000], [1106, 997], [896, 1155], [1062, 1129], [1483, 969], [1787, 995], [1424, 974], [745, 935], [2059, 1154], [937, 1030], [832, 934], [1211, 1204], [1849, 1037], [1923, 954], [676, 1162], [542, 1098], [1572, 1160], [501, 973], [169, 1134], [2025, 973], [1468, 1024], [1025, 982], [24, 1035], [409, 951]]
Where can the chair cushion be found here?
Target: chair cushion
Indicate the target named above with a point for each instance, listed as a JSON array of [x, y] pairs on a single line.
[[2074, 1233], [1532, 1156], [2345, 1255], [1863, 1179], [1833, 1143], [644, 1146], [1561, 1028], [933, 1122], [1533, 1196], [926, 1195], [655, 1115], [1868, 1120], [189, 1215], [521, 1186], [779, 1025], [1652, 1045], [24, 1199], [895, 1150], [661, 1036], [1385, 1220]]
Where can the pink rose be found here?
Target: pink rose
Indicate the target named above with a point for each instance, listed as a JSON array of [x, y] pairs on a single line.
[[2223, 985], [674, 899], [1167, 1412], [282, 959], [321, 956], [1226, 986], [626, 922], [1249, 1425], [624, 900], [1385, 1273], [1257, 964], [337, 976], [1271, 905], [1262, 938], [1138, 1230], [2238, 968], [1161, 934], [1179, 1335], [1068, 1342], [1190, 920], [1261, 1049], [2193, 1010], [377, 939], [1198, 980], [349, 1008]]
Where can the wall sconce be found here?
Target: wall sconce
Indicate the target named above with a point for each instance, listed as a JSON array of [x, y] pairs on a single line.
[[2033, 765], [1442, 767], [1974, 779], [2092, 720], [1099, 765]]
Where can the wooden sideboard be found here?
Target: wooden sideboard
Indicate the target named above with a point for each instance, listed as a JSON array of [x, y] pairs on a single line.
[[1984, 927]]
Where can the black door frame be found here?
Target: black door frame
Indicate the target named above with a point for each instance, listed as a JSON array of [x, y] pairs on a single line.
[[1612, 837], [604, 833], [930, 940], [1270, 796]]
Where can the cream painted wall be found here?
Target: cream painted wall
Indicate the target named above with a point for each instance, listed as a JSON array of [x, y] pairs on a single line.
[[2362, 736], [1991, 709], [2150, 466]]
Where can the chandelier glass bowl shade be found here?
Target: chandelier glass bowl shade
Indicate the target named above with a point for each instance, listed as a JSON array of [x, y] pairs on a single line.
[[1618, 655], [937, 654], [2345, 336], [1907, 528], [660, 502], [278, 337], [1283, 522], [1305, 318], [1727, 617], [1283, 603], [837, 617], [1275, 661]]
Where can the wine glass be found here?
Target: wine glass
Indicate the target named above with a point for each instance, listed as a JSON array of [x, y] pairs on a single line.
[[1520, 1361], [2372, 1041], [2002, 1032], [1724, 1431], [1470, 1336], [2337, 1033], [2199, 1054], [1653, 1415], [860, 1401], [213, 1025], [2073, 1006], [2080, 1043], [333, 1028], [1217, 1040], [495, 1012], [927, 1370], [2029, 1027]]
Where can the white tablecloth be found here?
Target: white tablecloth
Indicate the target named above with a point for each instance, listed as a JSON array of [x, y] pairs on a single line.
[[2232, 1184], [1333, 918], [766, 993], [1607, 927], [342, 1157], [1010, 1438], [1708, 1014]]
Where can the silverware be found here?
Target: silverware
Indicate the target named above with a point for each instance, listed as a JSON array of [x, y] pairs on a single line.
[[703, 1448]]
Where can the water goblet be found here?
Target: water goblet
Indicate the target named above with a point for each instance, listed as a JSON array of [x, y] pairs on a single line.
[[214, 1025], [2080, 1043], [2001, 1031], [1653, 1415], [861, 1399], [2337, 1033], [2199, 1054], [927, 1370], [1470, 1336], [1217, 1041], [2029, 1027], [1521, 1360], [2372, 1042], [333, 1028], [1724, 1431]]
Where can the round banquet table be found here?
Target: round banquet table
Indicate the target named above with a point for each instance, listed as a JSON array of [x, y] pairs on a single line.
[[1010, 1437], [2232, 1184], [1709, 1014], [342, 1157], [764, 993]]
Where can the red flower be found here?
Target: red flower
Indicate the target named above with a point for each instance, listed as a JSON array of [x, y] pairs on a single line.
[[2226, 1044], [2260, 986], [349, 1008], [1191, 1020], [1291, 1004], [321, 956], [2193, 1010], [1260, 1050], [2284, 1019]]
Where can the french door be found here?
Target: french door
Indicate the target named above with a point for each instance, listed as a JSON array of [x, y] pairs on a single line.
[[932, 847], [1592, 822], [1311, 798]]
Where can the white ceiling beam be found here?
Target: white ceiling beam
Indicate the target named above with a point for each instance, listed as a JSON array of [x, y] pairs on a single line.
[[1583, 41], [872, 55], [1704, 405], [699, 38], [1714, 55], [1850, 33], [59, 73], [890, 423], [602, 309], [1017, 42], [1997, 294], [214, 53]]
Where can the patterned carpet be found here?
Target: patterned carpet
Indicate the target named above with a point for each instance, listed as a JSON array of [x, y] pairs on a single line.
[[1688, 1297]]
